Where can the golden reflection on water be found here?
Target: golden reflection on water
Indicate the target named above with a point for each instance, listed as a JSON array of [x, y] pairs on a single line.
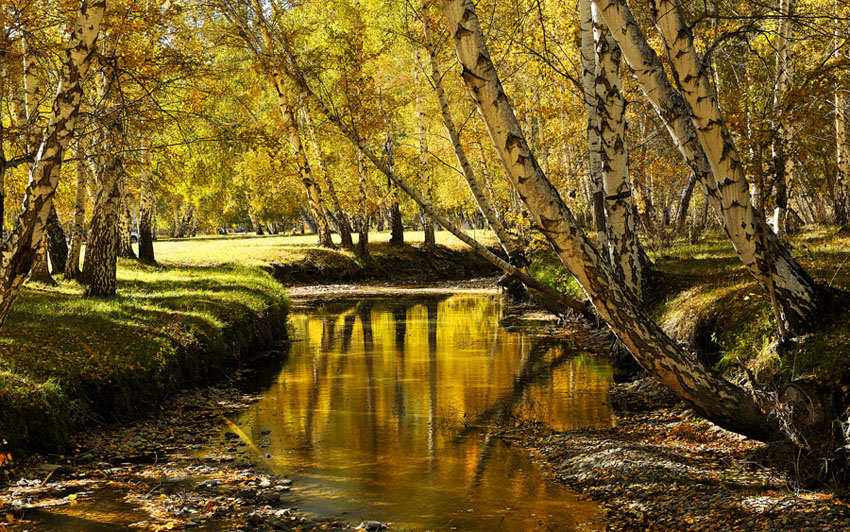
[[375, 414]]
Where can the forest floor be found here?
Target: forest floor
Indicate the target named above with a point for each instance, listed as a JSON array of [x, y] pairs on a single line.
[[661, 468]]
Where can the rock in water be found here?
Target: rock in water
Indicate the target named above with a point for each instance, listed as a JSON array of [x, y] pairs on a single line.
[[371, 526]]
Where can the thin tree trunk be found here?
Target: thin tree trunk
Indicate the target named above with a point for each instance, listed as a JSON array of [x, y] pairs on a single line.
[[314, 193], [512, 247], [783, 159], [842, 141], [19, 250], [588, 79], [72, 265], [684, 202], [342, 222], [146, 203], [425, 173], [363, 238]]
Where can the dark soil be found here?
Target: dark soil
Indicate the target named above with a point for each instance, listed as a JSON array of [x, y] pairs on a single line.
[[392, 265]]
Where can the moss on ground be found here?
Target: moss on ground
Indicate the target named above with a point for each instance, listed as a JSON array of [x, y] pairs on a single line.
[[701, 294], [66, 359]]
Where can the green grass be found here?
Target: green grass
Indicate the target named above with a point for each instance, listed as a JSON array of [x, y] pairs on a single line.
[[64, 357], [703, 288]]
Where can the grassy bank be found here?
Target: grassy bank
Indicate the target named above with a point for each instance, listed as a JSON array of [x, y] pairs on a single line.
[[702, 295], [66, 359]]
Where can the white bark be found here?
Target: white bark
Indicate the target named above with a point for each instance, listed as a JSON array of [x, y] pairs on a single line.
[[709, 151], [588, 79], [19, 251], [623, 246]]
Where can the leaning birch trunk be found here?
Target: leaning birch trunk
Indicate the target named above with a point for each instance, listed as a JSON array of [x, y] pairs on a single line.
[[512, 247], [342, 222], [72, 265], [314, 194], [425, 173], [588, 81], [715, 398], [783, 159], [146, 203], [623, 246], [708, 150], [19, 250]]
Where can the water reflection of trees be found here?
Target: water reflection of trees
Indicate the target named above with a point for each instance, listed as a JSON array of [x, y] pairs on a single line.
[[379, 388]]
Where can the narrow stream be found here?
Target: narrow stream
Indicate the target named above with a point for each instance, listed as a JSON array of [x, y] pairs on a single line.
[[381, 413]]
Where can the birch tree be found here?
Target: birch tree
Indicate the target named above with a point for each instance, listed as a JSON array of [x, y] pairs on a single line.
[[700, 134], [17, 253]]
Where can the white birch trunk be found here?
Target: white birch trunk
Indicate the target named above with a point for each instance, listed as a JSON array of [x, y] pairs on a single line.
[[588, 79], [623, 246], [711, 154], [19, 250]]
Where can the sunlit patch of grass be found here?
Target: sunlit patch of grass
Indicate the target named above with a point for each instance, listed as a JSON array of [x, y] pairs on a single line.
[[261, 250], [60, 350]]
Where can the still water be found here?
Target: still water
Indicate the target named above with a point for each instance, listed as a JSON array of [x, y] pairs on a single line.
[[383, 411]]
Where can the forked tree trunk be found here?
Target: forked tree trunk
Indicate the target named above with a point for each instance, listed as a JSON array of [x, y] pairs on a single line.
[[101, 259], [57, 246], [72, 265], [146, 203], [100, 263], [588, 80], [722, 402], [19, 250], [40, 272], [708, 150], [624, 250]]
